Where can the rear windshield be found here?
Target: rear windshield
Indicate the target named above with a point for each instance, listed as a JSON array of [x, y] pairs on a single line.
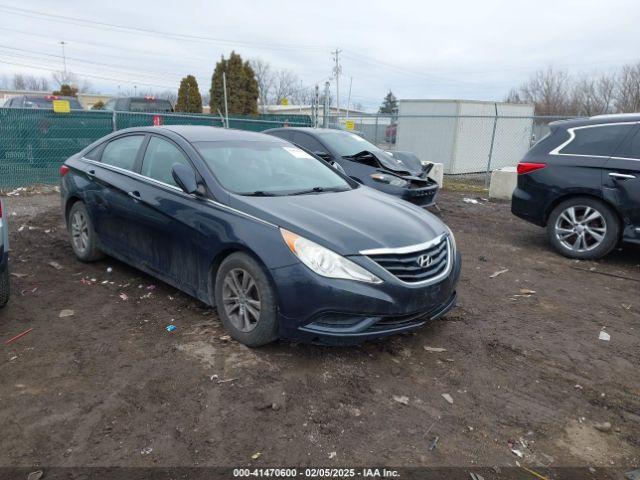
[[45, 102], [144, 105], [255, 168]]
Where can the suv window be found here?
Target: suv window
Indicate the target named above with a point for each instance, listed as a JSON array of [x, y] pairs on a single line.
[[599, 141], [630, 148], [307, 142], [160, 158], [122, 152]]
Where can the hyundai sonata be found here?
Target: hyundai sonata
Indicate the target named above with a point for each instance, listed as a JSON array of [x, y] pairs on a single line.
[[279, 242]]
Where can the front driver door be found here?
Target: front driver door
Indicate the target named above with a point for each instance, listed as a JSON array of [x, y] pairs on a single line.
[[169, 222], [622, 175]]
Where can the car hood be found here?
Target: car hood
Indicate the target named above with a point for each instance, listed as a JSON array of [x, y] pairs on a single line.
[[346, 222], [400, 164]]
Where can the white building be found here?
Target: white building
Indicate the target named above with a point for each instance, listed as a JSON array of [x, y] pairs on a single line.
[[459, 133]]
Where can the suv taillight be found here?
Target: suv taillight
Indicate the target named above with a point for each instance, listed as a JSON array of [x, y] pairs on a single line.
[[528, 167], [63, 170]]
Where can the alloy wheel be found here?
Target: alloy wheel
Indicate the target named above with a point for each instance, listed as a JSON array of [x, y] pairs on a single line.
[[580, 228], [241, 299], [80, 231]]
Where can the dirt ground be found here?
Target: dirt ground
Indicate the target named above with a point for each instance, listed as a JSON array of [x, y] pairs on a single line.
[[109, 386]]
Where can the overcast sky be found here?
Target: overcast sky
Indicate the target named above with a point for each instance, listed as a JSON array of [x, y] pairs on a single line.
[[472, 49]]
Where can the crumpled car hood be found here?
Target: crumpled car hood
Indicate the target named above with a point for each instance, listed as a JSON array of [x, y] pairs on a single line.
[[400, 164]]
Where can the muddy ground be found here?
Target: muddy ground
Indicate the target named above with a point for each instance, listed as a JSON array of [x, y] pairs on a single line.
[[109, 386]]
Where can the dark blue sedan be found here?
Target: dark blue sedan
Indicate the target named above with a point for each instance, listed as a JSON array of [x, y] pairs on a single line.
[[279, 242]]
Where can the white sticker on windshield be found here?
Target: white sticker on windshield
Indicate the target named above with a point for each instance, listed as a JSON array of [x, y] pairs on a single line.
[[296, 152]]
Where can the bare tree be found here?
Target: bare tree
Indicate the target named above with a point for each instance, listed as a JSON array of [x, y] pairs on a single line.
[[19, 82], [627, 96], [40, 84], [593, 95], [285, 85], [549, 91], [265, 77]]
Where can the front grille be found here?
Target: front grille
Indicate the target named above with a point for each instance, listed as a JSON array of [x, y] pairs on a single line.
[[417, 266]]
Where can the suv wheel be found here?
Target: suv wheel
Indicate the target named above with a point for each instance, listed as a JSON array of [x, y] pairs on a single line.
[[84, 240], [245, 301], [584, 228]]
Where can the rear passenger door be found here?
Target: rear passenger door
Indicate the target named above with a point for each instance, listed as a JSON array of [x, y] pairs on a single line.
[[112, 201], [622, 176]]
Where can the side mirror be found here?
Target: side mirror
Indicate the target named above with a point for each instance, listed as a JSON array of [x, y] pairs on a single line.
[[323, 155], [185, 178]]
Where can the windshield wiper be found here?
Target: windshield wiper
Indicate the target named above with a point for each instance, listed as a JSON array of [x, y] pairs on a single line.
[[260, 193], [319, 190]]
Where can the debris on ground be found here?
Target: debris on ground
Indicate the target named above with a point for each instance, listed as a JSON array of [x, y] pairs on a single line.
[[227, 380], [146, 451], [475, 476], [109, 269], [65, 313], [434, 349], [401, 399], [256, 455], [20, 335], [19, 275], [604, 336], [37, 475], [225, 338], [171, 328], [332, 455], [603, 426], [526, 291], [448, 398], [499, 272], [55, 265], [517, 453], [124, 296], [434, 444], [472, 201]]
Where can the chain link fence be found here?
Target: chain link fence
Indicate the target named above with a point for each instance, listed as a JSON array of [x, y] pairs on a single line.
[[34, 142], [468, 146]]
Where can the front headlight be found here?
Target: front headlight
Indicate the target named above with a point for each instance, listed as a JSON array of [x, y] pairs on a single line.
[[325, 262], [389, 179]]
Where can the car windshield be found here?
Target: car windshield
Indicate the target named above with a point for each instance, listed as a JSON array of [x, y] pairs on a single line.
[[268, 168], [149, 105], [346, 144]]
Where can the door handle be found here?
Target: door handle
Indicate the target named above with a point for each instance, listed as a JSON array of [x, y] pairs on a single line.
[[135, 195], [621, 176]]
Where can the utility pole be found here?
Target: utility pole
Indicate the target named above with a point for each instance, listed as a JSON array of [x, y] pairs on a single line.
[[316, 105], [64, 60], [226, 108], [349, 98], [325, 108], [337, 70]]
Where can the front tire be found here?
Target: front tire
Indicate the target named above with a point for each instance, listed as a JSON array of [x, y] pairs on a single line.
[[246, 301], [584, 228], [82, 236]]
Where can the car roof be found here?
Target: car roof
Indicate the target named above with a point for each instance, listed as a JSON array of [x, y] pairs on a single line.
[[311, 130], [201, 133], [597, 120]]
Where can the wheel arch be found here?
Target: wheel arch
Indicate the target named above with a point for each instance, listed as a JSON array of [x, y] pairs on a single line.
[[219, 258], [69, 203], [570, 195]]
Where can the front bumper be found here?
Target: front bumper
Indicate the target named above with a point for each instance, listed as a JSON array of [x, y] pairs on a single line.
[[317, 309]]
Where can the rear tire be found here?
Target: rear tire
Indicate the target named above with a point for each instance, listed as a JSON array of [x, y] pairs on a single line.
[[82, 236], [4, 287], [246, 301], [584, 228]]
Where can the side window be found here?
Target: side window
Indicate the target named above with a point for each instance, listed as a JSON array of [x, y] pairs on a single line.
[[630, 148], [160, 158], [598, 141], [308, 142], [94, 153], [122, 152]]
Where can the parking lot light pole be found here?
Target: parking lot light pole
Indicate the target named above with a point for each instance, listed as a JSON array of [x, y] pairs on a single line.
[[224, 91]]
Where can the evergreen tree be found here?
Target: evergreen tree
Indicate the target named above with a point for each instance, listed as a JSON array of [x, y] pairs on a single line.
[[389, 104], [67, 91], [189, 99], [242, 87]]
